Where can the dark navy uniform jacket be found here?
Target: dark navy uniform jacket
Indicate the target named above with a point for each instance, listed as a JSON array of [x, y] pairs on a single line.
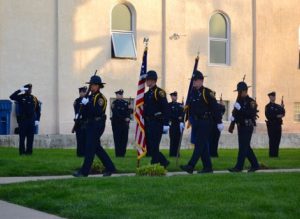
[[156, 105], [120, 110], [202, 104], [29, 106], [271, 112], [176, 112], [248, 112], [96, 106], [77, 104]]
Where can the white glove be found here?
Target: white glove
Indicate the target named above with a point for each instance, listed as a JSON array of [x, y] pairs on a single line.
[[221, 127], [76, 116], [237, 106], [166, 129], [36, 123], [181, 127], [232, 118], [85, 101], [22, 89]]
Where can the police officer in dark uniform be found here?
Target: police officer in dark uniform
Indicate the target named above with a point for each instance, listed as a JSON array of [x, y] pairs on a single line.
[[120, 123], [177, 125], [29, 117], [156, 116], [80, 128], [244, 115], [93, 112], [274, 114], [215, 133], [203, 110]]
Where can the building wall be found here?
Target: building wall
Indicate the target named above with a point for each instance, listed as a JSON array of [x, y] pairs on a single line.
[[57, 45], [277, 55]]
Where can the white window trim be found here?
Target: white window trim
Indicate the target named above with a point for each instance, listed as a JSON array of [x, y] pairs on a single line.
[[227, 40]]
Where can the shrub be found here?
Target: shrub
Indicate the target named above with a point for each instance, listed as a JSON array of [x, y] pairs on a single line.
[[151, 170], [97, 167]]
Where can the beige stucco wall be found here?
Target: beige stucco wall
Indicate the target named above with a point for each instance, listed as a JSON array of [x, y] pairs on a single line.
[[277, 55], [57, 45]]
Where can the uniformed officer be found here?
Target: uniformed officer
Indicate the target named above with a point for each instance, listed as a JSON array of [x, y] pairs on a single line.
[[120, 123], [215, 133], [274, 114], [93, 112], [80, 128], [156, 116], [203, 110], [244, 115], [177, 125], [29, 117]]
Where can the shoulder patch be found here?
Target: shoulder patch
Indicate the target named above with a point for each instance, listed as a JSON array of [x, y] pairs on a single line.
[[101, 102], [162, 93]]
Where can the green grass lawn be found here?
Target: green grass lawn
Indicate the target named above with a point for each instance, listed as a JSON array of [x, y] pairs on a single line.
[[242, 195], [64, 161]]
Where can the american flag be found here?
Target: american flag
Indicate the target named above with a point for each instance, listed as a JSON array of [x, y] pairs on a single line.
[[139, 109]]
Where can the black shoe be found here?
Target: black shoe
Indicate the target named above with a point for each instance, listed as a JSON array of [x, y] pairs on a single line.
[[166, 164], [214, 155], [234, 170], [205, 171], [107, 173], [187, 168], [253, 169], [79, 174]]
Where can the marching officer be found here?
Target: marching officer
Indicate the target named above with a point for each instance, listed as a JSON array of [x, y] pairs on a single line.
[[29, 117], [80, 129], [203, 110], [156, 116], [274, 114], [244, 115], [215, 133], [177, 125], [120, 123], [93, 112]]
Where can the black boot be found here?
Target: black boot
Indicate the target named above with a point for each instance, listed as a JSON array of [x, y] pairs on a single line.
[[187, 168]]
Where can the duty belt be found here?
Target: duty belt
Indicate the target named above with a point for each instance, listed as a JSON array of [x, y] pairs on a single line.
[[96, 119], [204, 116], [157, 116], [246, 122]]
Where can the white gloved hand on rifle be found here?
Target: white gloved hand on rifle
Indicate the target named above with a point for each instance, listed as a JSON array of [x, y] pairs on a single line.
[[237, 106], [36, 123], [85, 101], [232, 119], [220, 127], [181, 127], [166, 129], [23, 89]]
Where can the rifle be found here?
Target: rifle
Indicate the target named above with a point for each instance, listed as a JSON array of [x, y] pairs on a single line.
[[221, 98], [180, 140], [232, 124], [282, 103], [77, 120]]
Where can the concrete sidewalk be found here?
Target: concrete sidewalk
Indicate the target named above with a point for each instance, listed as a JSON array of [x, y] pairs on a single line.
[[12, 211], [9, 180]]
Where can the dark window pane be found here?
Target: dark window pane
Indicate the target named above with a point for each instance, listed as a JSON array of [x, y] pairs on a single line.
[[217, 52]]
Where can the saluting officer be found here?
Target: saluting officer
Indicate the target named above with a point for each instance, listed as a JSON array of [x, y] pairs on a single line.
[[244, 115], [29, 117], [80, 129], [177, 125], [156, 115], [215, 133], [93, 112], [203, 110], [274, 114], [120, 123]]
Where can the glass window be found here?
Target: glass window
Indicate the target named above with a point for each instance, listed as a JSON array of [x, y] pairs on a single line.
[[123, 42], [297, 112], [218, 40]]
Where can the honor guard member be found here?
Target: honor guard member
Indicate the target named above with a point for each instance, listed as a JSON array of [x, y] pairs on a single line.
[[156, 116], [120, 123], [93, 112], [215, 133], [80, 129], [274, 114], [177, 125], [244, 115], [29, 117], [203, 110]]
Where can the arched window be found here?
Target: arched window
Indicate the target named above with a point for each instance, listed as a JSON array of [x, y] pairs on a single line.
[[122, 27], [219, 39]]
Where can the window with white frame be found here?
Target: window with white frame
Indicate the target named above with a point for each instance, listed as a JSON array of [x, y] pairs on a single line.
[[219, 39], [297, 112], [122, 26]]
